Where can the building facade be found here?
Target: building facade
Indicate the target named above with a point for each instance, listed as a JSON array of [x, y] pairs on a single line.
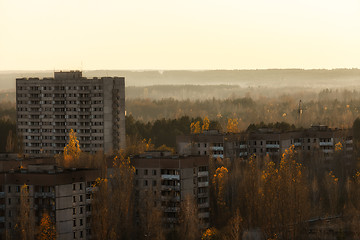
[[64, 194], [172, 179], [319, 140], [48, 108]]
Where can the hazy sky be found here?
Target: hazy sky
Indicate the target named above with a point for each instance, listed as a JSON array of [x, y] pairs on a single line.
[[179, 34]]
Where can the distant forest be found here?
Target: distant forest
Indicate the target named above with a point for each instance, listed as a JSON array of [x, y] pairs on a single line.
[[317, 78]]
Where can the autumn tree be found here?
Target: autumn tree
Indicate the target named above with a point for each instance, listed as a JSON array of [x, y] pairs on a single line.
[[72, 150], [232, 126], [219, 182], [10, 142], [25, 218], [113, 202], [47, 230], [195, 127], [189, 220], [234, 228], [206, 124], [210, 234], [219, 188], [332, 187], [150, 213], [101, 211]]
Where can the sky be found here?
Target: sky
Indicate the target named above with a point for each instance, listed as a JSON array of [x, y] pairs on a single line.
[[179, 34]]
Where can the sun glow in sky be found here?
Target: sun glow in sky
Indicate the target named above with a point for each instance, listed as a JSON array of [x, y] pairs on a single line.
[[172, 34]]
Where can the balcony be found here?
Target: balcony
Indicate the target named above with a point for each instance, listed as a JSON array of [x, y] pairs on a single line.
[[203, 174], [170, 188], [242, 154], [203, 205], [272, 146], [328, 150], [203, 184], [200, 195], [44, 195], [170, 177], [242, 146], [204, 215], [217, 148], [171, 209], [2, 219], [171, 220], [326, 144], [218, 155], [2, 194], [2, 206], [297, 144], [170, 198]]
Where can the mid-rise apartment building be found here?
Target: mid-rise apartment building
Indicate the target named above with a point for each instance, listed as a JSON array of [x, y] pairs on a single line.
[[172, 179], [48, 108], [319, 140], [64, 193]]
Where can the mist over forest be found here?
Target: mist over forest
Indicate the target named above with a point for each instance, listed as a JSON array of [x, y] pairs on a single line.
[[314, 79], [328, 97]]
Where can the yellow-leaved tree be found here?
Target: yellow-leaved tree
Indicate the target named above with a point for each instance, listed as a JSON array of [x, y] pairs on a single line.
[[195, 127], [112, 205], [47, 230], [72, 150], [206, 124], [232, 126], [26, 217]]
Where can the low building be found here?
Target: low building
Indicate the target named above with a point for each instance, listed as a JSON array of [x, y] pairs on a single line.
[[64, 193], [172, 178], [319, 140]]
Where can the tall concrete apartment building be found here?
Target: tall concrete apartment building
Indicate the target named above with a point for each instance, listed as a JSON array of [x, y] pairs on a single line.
[[48, 108]]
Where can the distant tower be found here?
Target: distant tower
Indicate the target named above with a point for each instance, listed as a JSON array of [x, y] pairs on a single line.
[[300, 112]]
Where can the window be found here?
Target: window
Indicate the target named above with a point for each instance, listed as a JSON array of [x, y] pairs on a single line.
[[80, 186], [74, 223], [74, 211], [81, 222], [308, 147], [308, 140], [81, 210], [9, 201], [74, 199], [74, 187], [154, 183], [81, 234], [17, 188], [145, 182], [81, 198], [154, 172], [74, 234], [145, 172], [9, 189]]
